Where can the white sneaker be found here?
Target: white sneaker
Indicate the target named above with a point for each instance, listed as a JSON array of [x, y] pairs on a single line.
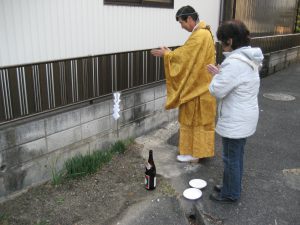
[[187, 158]]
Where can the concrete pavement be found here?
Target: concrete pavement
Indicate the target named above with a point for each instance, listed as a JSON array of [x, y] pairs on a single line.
[[271, 182]]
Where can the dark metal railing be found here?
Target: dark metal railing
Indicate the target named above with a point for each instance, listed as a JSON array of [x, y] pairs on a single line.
[[276, 43], [36, 88], [31, 89], [268, 44]]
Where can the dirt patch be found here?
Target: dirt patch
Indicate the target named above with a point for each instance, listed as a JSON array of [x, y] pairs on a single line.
[[96, 199]]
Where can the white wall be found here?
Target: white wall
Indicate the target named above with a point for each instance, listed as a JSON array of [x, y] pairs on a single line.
[[41, 30]]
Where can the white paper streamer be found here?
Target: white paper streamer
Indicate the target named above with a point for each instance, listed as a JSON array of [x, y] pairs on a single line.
[[116, 108]]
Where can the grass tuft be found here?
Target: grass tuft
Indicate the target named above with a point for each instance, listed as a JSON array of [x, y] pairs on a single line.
[[80, 165], [57, 177], [4, 219], [119, 147], [43, 223]]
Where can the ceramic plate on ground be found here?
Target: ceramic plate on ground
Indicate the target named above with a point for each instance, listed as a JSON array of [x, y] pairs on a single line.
[[192, 193], [198, 183]]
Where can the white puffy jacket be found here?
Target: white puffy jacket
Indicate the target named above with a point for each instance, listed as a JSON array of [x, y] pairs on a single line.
[[236, 87]]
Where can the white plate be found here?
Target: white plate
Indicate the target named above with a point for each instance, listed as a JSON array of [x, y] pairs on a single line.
[[198, 183], [192, 193]]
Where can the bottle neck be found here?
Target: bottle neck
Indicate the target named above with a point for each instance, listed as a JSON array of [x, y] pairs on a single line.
[[150, 159]]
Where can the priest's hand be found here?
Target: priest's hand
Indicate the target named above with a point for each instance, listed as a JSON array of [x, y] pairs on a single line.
[[159, 52], [213, 69]]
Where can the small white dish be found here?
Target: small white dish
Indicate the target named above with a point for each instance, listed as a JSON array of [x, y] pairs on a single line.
[[198, 183], [192, 193]]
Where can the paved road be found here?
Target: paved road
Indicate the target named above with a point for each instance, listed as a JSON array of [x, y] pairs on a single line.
[[271, 185]]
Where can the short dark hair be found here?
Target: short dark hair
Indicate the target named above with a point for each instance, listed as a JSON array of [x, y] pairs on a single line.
[[236, 30], [184, 12]]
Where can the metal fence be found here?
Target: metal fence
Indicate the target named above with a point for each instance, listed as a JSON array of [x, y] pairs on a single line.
[[27, 90], [268, 44], [37, 88], [275, 43]]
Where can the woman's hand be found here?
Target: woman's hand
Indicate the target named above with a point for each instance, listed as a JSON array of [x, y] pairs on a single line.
[[213, 69], [159, 52]]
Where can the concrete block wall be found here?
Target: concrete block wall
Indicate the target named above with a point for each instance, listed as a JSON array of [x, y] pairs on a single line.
[[276, 61], [31, 150]]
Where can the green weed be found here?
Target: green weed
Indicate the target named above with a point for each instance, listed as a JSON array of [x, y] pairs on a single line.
[[82, 165], [43, 223], [60, 200], [4, 219], [57, 176]]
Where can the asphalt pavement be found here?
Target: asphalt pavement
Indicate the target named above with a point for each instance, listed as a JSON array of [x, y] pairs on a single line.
[[271, 182]]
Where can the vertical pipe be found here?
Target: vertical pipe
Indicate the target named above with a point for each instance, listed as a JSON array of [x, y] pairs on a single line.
[[297, 20], [128, 69], [116, 71], [25, 90], [233, 9], [52, 85], [221, 14]]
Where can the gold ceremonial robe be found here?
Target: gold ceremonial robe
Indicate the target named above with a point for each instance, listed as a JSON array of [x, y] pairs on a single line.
[[187, 81]]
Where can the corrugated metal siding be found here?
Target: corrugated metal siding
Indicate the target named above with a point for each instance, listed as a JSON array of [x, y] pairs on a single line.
[[42, 30], [265, 17]]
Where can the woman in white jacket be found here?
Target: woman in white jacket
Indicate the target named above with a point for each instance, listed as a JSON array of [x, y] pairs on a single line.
[[236, 85]]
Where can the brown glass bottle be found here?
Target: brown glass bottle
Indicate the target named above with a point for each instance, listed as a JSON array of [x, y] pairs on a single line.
[[150, 174]]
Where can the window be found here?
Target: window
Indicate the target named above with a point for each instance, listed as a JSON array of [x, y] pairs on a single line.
[[147, 3]]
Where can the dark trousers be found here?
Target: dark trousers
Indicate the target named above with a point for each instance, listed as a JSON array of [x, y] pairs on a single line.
[[233, 154]]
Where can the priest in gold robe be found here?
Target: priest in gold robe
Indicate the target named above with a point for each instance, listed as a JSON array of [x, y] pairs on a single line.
[[187, 81]]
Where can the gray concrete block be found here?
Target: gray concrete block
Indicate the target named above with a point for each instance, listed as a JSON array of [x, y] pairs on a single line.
[[277, 58], [2, 187], [32, 149], [159, 104], [279, 66], [12, 181], [271, 70], [127, 131], [149, 108], [95, 111], [143, 96], [96, 127], [156, 120], [102, 109], [143, 110], [139, 111], [139, 126], [127, 116], [102, 143], [7, 138], [62, 122], [57, 160], [291, 54], [87, 114], [23, 153], [128, 101], [64, 138], [36, 171], [160, 91], [30, 131]]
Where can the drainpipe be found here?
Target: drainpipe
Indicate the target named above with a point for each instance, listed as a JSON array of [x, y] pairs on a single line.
[[233, 9], [227, 10], [297, 20], [221, 14]]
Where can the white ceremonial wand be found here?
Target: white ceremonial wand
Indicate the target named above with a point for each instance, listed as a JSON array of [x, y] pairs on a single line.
[[116, 109]]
